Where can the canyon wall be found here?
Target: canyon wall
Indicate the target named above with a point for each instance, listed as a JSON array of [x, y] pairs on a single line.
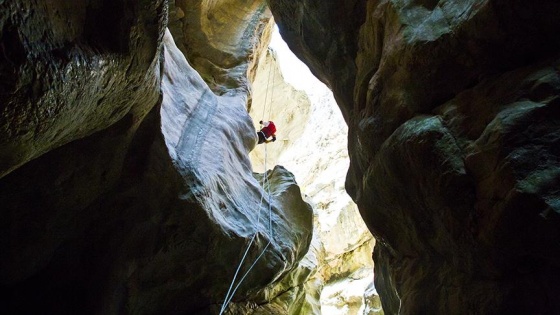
[[452, 108], [311, 143], [125, 183]]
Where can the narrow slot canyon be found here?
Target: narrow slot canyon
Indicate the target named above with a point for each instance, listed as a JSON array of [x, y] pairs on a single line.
[[312, 145], [416, 168]]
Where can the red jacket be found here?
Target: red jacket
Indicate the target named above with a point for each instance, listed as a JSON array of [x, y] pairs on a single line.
[[269, 129]]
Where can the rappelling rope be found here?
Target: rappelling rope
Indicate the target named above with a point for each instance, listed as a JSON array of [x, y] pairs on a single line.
[[230, 294], [274, 64], [266, 186], [266, 91]]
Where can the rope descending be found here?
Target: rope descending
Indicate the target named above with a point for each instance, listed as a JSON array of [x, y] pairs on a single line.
[[266, 185]]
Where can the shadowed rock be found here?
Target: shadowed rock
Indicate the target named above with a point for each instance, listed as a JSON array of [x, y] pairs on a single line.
[[454, 166], [125, 185], [136, 194], [68, 70]]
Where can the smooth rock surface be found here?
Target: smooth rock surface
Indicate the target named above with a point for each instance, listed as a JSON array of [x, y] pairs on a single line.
[[340, 255], [68, 70], [221, 39], [149, 208], [63, 80], [454, 166], [452, 109]]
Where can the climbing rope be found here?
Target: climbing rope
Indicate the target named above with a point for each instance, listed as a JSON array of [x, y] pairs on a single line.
[[231, 293], [266, 91], [266, 185]]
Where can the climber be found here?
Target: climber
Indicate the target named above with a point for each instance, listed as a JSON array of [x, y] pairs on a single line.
[[268, 130]]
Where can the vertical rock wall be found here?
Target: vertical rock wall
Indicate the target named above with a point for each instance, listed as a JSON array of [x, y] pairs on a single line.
[[63, 63], [209, 138], [311, 143], [453, 118], [77, 81], [64, 80], [126, 185], [220, 39]]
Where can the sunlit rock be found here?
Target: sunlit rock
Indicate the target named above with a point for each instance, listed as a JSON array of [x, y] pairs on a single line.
[[372, 301], [208, 138], [345, 296], [121, 194], [221, 39], [312, 144]]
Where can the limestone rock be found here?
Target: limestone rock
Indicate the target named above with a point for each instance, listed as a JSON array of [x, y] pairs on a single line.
[[139, 197], [208, 138], [454, 166], [66, 82], [68, 70], [340, 253], [323, 35], [286, 106], [373, 301], [221, 39]]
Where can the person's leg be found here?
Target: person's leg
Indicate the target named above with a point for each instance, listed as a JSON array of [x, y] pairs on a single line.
[[261, 137]]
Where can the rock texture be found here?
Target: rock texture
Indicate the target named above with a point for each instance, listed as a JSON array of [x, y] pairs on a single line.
[[221, 39], [64, 63], [64, 80], [453, 119], [334, 274], [208, 139], [452, 108], [126, 184]]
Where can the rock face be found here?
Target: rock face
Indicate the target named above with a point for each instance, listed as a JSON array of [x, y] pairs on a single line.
[[64, 63], [332, 277], [126, 184], [221, 39], [453, 120], [116, 197], [67, 83]]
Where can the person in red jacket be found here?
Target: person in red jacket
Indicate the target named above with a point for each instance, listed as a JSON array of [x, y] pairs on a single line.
[[268, 130]]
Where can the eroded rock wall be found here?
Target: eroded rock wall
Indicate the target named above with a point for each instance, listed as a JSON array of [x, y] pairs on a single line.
[[66, 82], [64, 63], [332, 277], [221, 39], [453, 119], [209, 138], [126, 185]]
